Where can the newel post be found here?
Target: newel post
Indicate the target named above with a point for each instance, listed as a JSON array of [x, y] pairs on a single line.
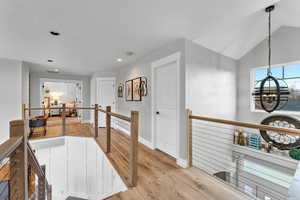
[[96, 119], [108, 129], [190, 136], [63, 118], [19, 162], [133, 149]]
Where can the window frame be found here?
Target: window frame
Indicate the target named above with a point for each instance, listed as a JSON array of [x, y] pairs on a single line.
[[252, 86]]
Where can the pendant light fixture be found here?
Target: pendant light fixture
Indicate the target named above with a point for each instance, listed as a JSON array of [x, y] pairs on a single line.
[[270, 93]]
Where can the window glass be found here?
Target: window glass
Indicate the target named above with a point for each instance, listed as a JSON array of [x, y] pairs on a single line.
[[292, 71], [290, 74], [277, 72], [260, 74]]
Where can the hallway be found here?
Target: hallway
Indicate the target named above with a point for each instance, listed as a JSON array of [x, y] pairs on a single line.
[[159, 177]]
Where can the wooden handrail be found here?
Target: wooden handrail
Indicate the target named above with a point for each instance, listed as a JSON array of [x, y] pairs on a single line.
[[120, 116], [9, 146], [248, 125], [58, 108], [21, 156], [133, 147], [40, 171], [35, 162], [123, 117]]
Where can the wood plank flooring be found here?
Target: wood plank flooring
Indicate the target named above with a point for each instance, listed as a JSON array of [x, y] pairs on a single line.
[[159, 178], [73, 128]]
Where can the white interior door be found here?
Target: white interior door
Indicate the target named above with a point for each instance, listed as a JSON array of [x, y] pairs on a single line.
[[165, 107], [105, 96]]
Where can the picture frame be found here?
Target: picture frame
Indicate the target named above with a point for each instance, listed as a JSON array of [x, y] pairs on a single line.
[[128, 90], [120, 90], [136, 89]]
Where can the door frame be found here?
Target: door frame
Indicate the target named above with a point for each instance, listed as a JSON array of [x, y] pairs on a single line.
[[154, 65], [58, 80], [98, 79]]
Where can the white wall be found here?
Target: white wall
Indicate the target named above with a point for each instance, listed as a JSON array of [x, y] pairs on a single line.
[[11, 94], [142, 67], [285, 49], [294, 189], [210, 82], [211, 92], [25, 83], [76, 166]]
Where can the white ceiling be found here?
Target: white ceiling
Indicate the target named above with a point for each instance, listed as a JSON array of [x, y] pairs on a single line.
[[94, 33]]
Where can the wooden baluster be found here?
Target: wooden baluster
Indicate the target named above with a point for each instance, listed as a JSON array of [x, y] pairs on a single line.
[[190, 136], [19, 162], [49, 193], [133, 151], [108, 129], [44, 110], [96, 120], [63, 118], [42, 185], [23, 111]]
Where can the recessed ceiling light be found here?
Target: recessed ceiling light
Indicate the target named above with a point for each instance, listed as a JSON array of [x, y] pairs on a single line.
[[53, 70], [129, 53], [54, 33], [50, 60], [119, 59]]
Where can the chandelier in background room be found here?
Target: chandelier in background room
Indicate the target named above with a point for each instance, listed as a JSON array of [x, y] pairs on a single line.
[[271, 93]]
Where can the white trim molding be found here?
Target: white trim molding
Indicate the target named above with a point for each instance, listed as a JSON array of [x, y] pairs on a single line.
[[146, 143], [156, 64], [141, 140], [182, 162]]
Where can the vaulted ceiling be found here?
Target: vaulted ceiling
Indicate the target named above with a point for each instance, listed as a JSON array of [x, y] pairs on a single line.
[[94, 33]]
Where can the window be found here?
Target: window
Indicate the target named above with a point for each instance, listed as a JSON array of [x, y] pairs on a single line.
[[291, 75]]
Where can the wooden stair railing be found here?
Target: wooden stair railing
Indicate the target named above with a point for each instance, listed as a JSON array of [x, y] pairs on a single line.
[[190, 117], [134, 131], [134, 135], [17, 160], [43, 186]]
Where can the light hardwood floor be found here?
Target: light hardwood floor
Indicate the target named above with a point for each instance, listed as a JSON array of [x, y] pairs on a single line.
[[159, 178], [73, 128]]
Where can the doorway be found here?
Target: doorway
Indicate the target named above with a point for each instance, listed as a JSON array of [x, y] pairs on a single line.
[[165, 104], [56, 92], [106, 97]]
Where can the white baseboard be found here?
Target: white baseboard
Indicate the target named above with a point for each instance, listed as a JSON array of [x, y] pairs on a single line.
[[182, 163], [141, 140], [123, 129], [146, 143]]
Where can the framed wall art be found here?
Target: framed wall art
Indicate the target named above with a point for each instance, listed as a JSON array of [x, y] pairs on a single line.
[[136, 85], [128, 90], [120, 90], [144, 87]]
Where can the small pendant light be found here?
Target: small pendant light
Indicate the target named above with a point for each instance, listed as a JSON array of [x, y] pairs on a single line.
[[271, 94]]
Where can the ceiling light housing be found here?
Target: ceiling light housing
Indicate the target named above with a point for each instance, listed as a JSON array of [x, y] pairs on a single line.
[[119, 60], [129, 53], [55, 70], [54, 33]]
